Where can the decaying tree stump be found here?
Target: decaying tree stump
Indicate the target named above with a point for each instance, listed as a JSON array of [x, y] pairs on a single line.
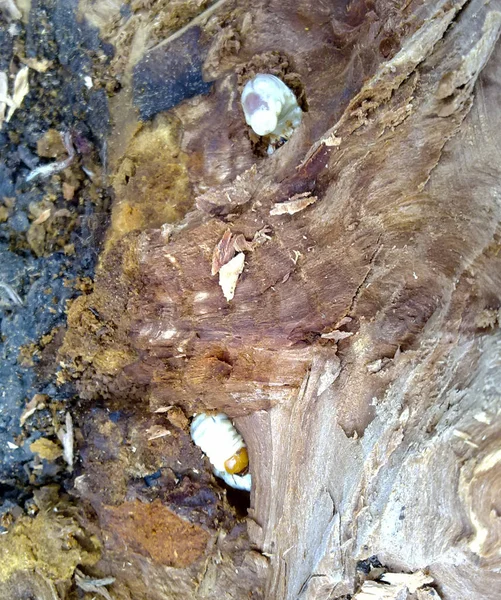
[[360, 354]]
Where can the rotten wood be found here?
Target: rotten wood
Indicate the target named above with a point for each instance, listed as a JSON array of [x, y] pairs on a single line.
[[359, 355]]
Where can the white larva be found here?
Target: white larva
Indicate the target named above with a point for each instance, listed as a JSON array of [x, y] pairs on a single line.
[[221, 442], [270, 107]]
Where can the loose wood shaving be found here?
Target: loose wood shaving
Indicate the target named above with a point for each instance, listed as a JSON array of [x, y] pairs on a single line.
[[373, 590], [229, 274], [163, 409], [157, 431], [295, 204], [223, 252], [166, 230], [376, 366], [240, 244], [40, 66], [9, 8], [336, 335], [95, 586], [412, 581], [343, 321], [230, 244], [11, 293], [21, 88], [36, 403], [332, 140], [57, 166], [42, 217], [62, 212], [65, 435], [261, 236], [395, 586], [3, 96]]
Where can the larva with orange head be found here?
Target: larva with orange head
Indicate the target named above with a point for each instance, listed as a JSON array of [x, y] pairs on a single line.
[[224, 447]]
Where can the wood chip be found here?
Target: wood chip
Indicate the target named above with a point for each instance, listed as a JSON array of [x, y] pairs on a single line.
[[65, 435], [36, 403], [3, 96], [412, 581], [11, 293], [229, 274], [295, 204], [10, 10], [376, 366], [332, 140], [397, 586], [261, 237], [372, 590], [343, 321], [62, 212], [240, 244], [231, 244], [68, 191], [93, 585], [57, 166], [157, 431], [164, 409], [40, 66], [21, 88], [223, 252], [42, 217], [336, 335], [166, 230]]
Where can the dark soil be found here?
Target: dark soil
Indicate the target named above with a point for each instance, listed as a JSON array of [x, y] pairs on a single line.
[[44, 266]]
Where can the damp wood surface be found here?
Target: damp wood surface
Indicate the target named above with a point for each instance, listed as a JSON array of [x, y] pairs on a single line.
[[357, 349]]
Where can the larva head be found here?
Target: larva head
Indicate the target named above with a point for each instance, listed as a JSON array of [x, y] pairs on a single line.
[[262, 117], [225, 448], [262, 101], [238, 462]]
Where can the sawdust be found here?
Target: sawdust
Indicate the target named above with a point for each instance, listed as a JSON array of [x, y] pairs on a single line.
[[151, 182], [155, 531], [53, 543], [46, 449]]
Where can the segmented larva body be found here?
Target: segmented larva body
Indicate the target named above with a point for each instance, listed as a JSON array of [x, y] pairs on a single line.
[[224, 447], [270, 107]]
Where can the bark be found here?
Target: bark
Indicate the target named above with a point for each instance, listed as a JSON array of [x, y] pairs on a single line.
[[360, 354]]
